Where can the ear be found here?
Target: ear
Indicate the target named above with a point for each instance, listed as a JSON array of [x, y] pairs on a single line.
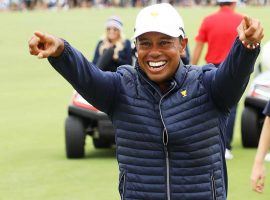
[[183, 45]]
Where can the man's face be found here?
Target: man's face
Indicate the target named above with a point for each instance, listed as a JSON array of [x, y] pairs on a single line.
[[159, 55]]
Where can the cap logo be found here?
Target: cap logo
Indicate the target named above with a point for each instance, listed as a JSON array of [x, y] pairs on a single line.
[[154, 14]]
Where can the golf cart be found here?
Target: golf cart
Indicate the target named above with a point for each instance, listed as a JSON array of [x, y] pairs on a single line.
[[255, 101], [85, 120]]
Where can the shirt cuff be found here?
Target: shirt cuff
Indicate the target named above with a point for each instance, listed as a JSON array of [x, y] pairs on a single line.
[[61, 57]]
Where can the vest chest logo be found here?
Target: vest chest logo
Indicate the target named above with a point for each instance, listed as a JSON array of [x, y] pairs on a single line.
[[184, 93]]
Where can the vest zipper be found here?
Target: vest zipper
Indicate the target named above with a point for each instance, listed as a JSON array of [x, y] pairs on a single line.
[[213, 184], [165, 134], [165, 142], [122, 184]]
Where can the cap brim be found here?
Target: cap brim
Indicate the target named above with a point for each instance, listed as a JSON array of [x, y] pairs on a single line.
[[169, 33]]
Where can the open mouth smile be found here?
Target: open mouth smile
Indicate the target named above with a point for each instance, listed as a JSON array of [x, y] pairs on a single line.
[[156, 65]]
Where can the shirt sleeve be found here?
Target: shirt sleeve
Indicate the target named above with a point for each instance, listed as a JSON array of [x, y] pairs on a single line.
[[228, 82], [97, 87], [266, 110], [202, 34]]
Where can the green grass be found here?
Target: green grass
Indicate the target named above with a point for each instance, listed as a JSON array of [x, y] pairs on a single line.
[[34, 101]]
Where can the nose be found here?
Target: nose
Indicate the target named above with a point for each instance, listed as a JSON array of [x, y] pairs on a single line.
[[155, 52], [111, 31]]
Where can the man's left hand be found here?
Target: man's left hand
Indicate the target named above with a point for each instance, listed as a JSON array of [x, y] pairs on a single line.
[[250, 32]]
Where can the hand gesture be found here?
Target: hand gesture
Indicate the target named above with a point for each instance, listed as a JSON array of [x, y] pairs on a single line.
[[258, 177], [250, 32], [44, 45]]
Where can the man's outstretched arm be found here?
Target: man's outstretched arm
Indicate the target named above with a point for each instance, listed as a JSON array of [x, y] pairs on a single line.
[[229, 81], [94, 85]]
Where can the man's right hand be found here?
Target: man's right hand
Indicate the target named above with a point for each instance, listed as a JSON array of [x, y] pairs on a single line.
[[44, 45]]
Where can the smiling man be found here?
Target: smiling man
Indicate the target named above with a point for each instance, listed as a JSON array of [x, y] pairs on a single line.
[[159, 56], [169, 118]]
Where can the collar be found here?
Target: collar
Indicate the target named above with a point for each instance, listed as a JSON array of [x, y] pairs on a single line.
[[181, 74], [225, 9], [178, 78]]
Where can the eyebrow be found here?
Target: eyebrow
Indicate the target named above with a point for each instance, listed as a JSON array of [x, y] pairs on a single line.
[[162, 38], [167, 38], [141, 39]]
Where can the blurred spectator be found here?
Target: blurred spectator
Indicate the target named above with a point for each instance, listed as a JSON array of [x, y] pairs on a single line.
[[29, 4], [4, 5], [15, 4], [113, 50], [51, 3], [63, 4], [219, 31]]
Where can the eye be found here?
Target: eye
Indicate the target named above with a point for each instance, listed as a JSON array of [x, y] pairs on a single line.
[[165, 43], [112, 29], [145, 44]]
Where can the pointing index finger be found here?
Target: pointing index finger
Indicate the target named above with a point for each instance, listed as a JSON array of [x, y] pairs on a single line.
[[40, 35], [247, 22]]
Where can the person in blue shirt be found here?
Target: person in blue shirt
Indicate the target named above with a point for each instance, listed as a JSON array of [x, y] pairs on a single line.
[[113, 50], [258, 171], [169, 118]]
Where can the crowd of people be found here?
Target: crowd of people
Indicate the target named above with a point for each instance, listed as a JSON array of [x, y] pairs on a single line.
[[6, 5]]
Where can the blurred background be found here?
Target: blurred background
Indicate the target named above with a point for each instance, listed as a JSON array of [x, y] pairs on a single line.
[[34, 100]]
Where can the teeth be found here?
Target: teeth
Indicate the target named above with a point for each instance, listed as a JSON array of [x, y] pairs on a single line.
[[157, 64]]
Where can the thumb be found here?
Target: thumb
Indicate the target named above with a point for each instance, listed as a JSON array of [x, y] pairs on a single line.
[[44, 54], [241, 31], [40, 55]]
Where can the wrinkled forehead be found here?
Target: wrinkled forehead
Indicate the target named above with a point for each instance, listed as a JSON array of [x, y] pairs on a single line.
[[155, 36]]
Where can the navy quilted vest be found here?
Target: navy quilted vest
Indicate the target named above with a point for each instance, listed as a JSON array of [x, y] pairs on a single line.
[[169, 146]]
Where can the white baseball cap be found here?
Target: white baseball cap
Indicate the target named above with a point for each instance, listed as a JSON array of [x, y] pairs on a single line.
[[162, 18]]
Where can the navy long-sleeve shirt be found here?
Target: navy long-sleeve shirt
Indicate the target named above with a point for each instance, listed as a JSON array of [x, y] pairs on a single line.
[[134, 91], [226, 84]]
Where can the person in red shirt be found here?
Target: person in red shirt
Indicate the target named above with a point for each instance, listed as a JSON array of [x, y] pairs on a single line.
[[218, 30]]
